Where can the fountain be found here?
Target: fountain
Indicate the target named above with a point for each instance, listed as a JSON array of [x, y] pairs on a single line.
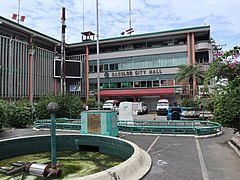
[[135, 161]]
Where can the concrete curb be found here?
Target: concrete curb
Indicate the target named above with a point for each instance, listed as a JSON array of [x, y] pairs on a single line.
[[176, 135], [235, 143], [209, 136]]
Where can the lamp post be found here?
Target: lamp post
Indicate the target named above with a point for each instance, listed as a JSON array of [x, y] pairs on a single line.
[[53, 108]]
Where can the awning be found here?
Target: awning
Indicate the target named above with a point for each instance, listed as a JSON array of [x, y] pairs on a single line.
[[138, 92]]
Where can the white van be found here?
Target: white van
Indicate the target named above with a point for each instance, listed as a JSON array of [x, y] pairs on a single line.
[[162, 107], [111, 105], [139, 108]]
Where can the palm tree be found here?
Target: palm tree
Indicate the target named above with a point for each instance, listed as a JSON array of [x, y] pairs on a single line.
[[189, 72]]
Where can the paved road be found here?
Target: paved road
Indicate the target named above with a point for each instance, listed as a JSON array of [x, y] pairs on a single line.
[[179, 158]]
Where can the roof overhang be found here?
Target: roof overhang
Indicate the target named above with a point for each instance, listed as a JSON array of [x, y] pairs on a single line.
[[138, 92]]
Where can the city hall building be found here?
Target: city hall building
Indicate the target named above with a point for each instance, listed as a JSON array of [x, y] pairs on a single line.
[[139, 67]]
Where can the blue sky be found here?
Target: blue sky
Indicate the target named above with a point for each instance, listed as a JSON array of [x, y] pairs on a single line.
[[147, 16]]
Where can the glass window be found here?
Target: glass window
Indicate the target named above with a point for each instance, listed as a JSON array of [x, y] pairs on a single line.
[[90, 68], [149, 83], [100, 68], [105, 86], [116, 66], [92, 87], [143, 83], [156, 83], [163, 82], [113, 85], [170, 82], [126, 84], [111, 67], [105, 67], [137, 84], [95, 68]]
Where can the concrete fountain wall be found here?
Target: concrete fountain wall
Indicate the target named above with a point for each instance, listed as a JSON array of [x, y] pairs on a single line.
[[137, 162]]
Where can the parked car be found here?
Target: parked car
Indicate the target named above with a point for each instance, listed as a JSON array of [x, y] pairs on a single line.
[[174, 113]]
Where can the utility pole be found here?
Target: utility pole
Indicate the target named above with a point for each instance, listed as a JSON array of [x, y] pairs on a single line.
[[63, 78]]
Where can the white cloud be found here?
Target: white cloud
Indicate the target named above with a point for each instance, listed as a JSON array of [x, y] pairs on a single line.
[[147, 16]]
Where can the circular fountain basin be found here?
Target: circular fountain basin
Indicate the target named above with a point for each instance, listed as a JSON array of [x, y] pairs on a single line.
[[136, 163]]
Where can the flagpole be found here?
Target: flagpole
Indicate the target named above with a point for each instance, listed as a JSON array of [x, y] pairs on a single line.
[[18, 11]]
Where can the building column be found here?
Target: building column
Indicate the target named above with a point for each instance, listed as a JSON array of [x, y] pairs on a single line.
[[87, 78], [30, 72], [194, 62], [188, 49]]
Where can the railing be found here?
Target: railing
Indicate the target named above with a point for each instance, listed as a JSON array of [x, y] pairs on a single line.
[[61, 123], [194, 127], [170, 127]]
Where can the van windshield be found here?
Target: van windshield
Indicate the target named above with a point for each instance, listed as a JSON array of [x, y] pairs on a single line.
[[107, 103], [162, 104]]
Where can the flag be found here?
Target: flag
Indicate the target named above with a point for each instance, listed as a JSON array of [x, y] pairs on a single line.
[[22, 18], [14, 16]]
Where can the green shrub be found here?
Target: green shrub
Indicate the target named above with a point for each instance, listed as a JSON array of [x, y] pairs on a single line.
[[92, 102], [190, 103], [41, 107], [20, 113], [69, 107], [4, 113]]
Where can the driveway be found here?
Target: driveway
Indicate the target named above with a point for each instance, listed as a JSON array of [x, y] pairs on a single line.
[[177, 158]]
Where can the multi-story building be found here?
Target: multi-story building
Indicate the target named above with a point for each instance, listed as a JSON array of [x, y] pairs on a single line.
[[143, 67], [137, 67]]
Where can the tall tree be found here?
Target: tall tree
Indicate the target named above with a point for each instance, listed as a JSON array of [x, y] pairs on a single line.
[[187, 73], [227, 95]]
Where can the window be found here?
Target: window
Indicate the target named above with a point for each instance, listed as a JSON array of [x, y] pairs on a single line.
[[156, 83], [90, 68], [105, 67], [163, 82], [149, 83], [95, 68], [137, 84], [111, 67], [143, 83], [126, 84]]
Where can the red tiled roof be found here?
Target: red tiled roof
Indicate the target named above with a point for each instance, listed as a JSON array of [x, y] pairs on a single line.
[[138, 92]]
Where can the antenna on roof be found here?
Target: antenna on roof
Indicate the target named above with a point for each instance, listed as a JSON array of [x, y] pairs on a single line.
[[130, 30]]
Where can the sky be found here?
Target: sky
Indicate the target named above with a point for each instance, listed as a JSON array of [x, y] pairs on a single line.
[[147, 16]]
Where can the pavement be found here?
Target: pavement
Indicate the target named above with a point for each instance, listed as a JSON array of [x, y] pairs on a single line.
[[179, 158]]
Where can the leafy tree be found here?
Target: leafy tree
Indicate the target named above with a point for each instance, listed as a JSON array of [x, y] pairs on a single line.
[[226, 105], [227, 95], [188, 73]]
